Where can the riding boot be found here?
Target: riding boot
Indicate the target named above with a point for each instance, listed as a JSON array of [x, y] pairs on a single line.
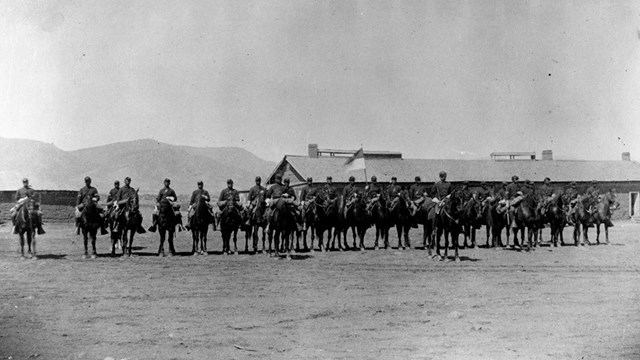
[[608, 222], [40, 229], [154, 223], [139, 230]]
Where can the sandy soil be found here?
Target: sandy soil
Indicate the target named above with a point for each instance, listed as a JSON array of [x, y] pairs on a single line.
[[554, 303]]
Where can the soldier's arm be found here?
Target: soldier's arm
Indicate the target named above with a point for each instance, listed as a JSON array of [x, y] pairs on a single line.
[[193, 198]]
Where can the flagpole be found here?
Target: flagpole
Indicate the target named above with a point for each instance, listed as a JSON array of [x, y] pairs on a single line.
[[366, 181]]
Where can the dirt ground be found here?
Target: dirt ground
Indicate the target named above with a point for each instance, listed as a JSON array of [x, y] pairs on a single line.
[[553, 303]]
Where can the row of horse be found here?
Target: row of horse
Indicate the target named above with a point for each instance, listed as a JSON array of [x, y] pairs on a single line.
[[283, 225]]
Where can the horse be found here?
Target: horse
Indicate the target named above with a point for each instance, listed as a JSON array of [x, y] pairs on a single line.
[[308, 219], [90, 222], [470, 215], [167, 222], [25, 225], [281, 223], [582, 221], [199, 225], [356, 219], [447, 222], [230, 222], [400, 217], [525, 217], [379, 216], [426, 215], [602, 215], [130, 223], [327, 219], [555, 217]]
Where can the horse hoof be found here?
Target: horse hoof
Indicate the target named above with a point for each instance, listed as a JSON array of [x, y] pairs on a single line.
[[457, 259], [160, 254], [607, 243], [361, 249], [93, 256], [195, 253], [84, 256], [235, 252], [442, 258], [376, 247]]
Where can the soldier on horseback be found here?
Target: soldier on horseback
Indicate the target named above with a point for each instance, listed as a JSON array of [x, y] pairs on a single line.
[[166, 193], [280, 190], [113, 193], [393, 190], [373, 192], [229, 194], [546, 196], [22, 195], [570, 197], [329, 190], [441, 190], [416, 195], [307, 195], [195, 199], [125, 195], [254, 192], [349, 194], [85, 195]]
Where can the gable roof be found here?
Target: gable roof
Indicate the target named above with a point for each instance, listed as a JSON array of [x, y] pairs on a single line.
[[460, 170]]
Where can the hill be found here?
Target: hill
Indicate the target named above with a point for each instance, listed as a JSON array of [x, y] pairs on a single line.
[[147, 162]]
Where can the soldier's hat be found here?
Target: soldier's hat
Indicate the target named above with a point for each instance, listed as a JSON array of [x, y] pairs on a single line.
[[258, 178], [374, 178], [594, 181], [229, 181], [515, 178], [200, 182], [309, 178], [25, 180], [86, 178], [547, 178], [573, 183], [167, 180], [418, 178], [442, 173], [127, 178], [394, 178], [351, 178], [329, 178], [117, 182]]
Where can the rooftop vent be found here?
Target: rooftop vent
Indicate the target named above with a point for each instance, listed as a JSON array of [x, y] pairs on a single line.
[[313, 150], [547, 154]]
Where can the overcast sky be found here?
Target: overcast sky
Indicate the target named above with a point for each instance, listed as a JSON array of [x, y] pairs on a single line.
[[432, 79]]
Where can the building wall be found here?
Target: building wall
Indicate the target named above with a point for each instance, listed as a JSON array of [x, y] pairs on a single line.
[[47, 197]]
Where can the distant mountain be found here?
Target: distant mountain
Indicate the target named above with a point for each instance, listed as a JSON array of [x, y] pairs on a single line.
[[147, 162]]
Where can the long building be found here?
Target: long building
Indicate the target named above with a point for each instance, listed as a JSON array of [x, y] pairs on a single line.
[[622, 175]]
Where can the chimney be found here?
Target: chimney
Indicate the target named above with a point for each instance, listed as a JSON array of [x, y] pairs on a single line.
[[626, 156], [547, 154], [313, 150]]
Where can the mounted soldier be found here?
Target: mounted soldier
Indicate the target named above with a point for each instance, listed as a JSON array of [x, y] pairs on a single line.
[[166, 193], [570, 198], [592, 192], [393, 190], [349, 194], [329, 190], [229, 194], [373, 192], [200, 192], [22, 195], [545, 196], [465, 193], [280, 190], [125, 195], [308, 194], [113, 193], [416, 195], [87, 194], [254, 192], [441, 190]]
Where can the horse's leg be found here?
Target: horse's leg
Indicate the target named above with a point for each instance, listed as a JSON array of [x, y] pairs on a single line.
[[399, 231], [598, 233], [92, 234], [606, 233], [386, 236], [130, 246], [172, 250], [264, 234], [22, 241], [162, 233], [85, 238], [235, 241], [446, 244], [353, 232], [375, 244], [456, 247], [585, 233]]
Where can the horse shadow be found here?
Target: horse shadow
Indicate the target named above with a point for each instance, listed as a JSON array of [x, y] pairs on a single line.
[[52, 256], [462, 259]]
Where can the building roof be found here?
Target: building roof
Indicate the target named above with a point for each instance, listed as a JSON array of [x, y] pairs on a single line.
[[460, 170]]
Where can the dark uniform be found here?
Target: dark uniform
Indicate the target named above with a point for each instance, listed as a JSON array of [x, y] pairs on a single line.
[[197, 194], [372, 190], [113, 193], [483, 193], [393, 190], [85, 195], [465, 194], [276, 191], [416, 191], [164, 193], [228, 195], [254, 192], [441, 189], [308, 192], [330, 192], [125, 193], [512, 190]]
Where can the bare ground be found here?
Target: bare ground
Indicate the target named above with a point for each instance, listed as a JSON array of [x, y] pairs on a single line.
[[553, 303]]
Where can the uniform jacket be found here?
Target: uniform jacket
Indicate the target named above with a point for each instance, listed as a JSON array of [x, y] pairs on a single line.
[[86, 194], [441, 189], [166, 192], [197, 194]]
